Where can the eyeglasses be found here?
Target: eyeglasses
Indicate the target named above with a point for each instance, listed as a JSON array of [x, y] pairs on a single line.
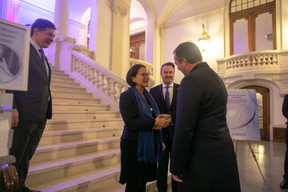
[[50, 34], [145, 74]]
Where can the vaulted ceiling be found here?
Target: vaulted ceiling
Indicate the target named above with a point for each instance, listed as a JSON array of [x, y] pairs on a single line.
[[164, 11]]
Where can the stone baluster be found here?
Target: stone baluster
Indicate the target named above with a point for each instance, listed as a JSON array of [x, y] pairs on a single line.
[[106, 88], [120, 87], [91, 75], [253, 60], [112, 91], [96, 79], [101, 82]]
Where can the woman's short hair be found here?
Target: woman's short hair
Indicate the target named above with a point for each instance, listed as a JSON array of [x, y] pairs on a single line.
[[133, 71], [189, 51]]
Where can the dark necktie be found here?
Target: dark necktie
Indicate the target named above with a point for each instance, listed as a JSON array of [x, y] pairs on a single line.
[[42, 55], [43, 61], [167, 100]]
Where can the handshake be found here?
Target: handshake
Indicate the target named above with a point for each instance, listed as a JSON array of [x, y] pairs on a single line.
[[162, 121]]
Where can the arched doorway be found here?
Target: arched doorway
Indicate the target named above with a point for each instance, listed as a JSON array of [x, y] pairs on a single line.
[[263, 105]]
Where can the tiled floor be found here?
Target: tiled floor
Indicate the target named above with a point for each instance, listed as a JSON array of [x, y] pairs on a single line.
[[270, 157]]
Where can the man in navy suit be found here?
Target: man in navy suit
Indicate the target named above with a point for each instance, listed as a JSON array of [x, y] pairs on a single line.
[[167, 105], [34, 106], [203, 156]]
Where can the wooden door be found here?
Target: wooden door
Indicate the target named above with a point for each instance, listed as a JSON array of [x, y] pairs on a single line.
[[137, 44], [263, 106]]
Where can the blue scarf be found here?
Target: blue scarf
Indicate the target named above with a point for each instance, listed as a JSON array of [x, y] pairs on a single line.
[[148, 150]]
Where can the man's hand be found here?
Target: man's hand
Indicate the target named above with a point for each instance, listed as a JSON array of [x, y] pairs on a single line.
[[176, 178], [15, 118]]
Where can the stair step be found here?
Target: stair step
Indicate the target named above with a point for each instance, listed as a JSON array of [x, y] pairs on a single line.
[[102, 181], [72, 95], [58, 115], [70, 124], [68, 150], [66, 136], [68, 168], [68, 89], [77, 107], [62, 79], [75, 100], [59, 74], [67, 84]]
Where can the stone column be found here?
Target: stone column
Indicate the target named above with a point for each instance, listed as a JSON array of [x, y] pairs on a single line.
[[61, 22], [120, 37], [61, 16]]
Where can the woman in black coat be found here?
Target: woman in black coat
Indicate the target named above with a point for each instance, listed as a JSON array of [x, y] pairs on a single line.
[[141, 140]]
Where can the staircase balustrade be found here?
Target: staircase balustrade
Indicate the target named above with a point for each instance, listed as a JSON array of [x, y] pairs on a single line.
[[261, 65], [257, 61], [97, 78]]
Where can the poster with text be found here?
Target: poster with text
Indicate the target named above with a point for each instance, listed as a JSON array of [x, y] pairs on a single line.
[[14, 55], [242, 114]]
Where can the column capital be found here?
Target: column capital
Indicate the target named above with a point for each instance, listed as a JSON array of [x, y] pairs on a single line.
[[120, 6]]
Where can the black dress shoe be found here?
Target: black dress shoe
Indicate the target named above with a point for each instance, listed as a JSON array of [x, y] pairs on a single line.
[[284, 184]]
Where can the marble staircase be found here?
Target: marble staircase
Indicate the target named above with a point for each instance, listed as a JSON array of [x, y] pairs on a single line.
[[79, 150]]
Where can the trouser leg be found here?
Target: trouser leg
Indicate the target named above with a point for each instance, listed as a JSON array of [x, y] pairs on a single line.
[[162, 171], [26, 138], [285, 176]]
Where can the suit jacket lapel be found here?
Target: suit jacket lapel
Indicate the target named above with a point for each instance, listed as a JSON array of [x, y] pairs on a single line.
[[35, 54]]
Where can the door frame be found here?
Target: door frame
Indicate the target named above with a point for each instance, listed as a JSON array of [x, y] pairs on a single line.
[[265, 92]]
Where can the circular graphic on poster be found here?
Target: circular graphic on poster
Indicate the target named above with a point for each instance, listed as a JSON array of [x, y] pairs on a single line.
[[9, 64], [240, 115]]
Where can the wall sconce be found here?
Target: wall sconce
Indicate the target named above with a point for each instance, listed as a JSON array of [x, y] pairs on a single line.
[[203, 41]]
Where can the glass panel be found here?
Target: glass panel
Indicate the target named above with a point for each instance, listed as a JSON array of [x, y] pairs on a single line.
[[240, 36], [142, 51], [259, 97], [245, 6], [256, 3], [239, 8], [233, 3], [263, 1], [233, 9], [264, 32], [250, 4], [132, 51]]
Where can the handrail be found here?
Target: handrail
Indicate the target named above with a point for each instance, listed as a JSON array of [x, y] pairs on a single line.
[[106, 83], [149, 66], [256, 60]]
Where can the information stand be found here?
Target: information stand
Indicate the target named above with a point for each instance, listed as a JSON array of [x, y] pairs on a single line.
[[242, 118], [14, 61]]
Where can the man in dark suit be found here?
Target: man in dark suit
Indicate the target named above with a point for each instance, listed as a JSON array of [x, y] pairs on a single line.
[[161, 96], [203, 156], [284, 182], [34, 106]]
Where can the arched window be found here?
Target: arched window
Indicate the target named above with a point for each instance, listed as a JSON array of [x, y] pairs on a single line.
[[252, 25]]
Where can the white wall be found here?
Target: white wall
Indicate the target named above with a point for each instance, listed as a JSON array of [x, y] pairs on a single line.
[[77, 31], [25, 13], [191, 30]]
